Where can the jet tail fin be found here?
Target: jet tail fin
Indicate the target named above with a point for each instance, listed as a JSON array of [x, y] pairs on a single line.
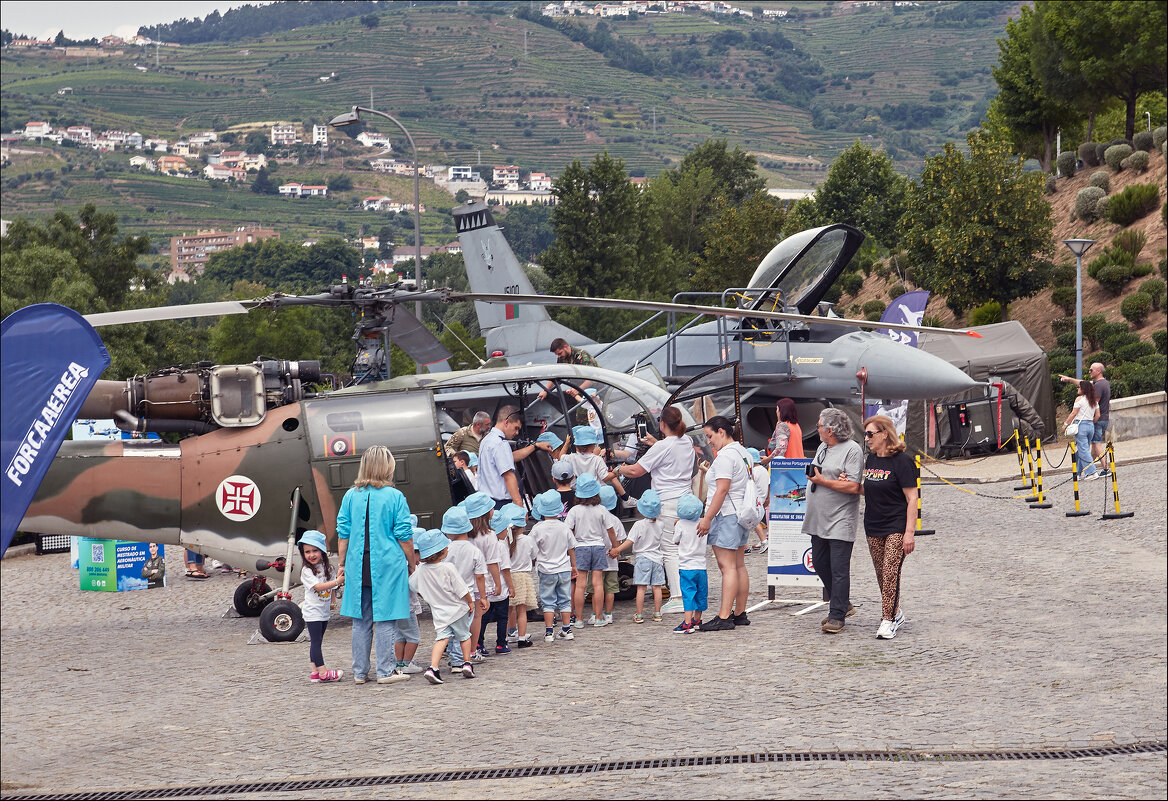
[[492, 267]]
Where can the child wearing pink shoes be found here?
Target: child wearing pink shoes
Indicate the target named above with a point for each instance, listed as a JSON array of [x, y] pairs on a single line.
[[319, 582]]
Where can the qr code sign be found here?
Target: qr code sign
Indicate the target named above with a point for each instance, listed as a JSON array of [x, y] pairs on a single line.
[[97, 552]]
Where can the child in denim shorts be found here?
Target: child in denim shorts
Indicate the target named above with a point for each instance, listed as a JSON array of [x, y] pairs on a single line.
[[588, 521], [451, 604], [555, 563], [645, 541]]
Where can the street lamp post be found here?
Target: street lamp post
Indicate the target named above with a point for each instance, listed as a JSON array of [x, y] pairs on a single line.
[[351, 118], [1079, 247]]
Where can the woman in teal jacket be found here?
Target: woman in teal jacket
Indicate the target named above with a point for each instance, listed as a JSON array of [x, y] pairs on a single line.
[[377, 570]]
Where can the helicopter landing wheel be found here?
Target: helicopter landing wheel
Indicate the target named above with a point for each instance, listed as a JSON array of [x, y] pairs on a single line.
[[281, 621], [249, 598]]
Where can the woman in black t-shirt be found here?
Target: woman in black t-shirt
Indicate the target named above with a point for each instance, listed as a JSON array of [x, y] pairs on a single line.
[[890, 499]]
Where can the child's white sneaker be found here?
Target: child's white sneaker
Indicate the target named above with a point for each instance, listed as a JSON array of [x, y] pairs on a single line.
[[592, 620], [565, 635], [548, 635], [608, 618], [512, 635], [597, 622], [410, 668]]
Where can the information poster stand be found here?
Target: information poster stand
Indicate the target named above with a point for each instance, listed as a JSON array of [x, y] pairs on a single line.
[[118, 566], [789, 551]]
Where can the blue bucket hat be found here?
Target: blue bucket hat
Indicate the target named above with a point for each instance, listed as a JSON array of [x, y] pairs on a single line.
[[431, 542], [315, 539], [689, 507], [608, 497], [550, 438], [587, 486], [516, 514], [500, 521], [474, 460], [562, 471], [478, 504], [418, 530], [755, 456], [548, 504], [649, 504], [455, 521], [585, 435]]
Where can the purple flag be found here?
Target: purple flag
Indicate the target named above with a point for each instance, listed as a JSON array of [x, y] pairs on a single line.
[[908, 309]]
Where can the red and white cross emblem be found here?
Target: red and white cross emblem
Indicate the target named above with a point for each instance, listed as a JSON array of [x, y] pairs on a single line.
[[238, 498]]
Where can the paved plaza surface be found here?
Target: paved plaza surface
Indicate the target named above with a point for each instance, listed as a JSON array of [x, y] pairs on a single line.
[[1026, 629]]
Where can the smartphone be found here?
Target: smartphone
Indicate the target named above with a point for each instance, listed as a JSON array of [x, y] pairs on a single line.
[[642, 430]]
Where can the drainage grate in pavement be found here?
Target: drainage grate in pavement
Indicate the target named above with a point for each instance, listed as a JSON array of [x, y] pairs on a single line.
[[530, 771]]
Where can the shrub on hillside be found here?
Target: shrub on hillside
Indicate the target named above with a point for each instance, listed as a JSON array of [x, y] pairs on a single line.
[[1154, 288], [1159, 136], [1062, 274], [1100, 333], [876, 307], [1114, 277], [1147, 374], [1088, 155], [1064, 340], [1130, 241], [895, 291], [1135, 351], [1132, 203], [1115, 155], [1142, 269], [1101, 207], [1116, 341], [1085, 202], [1066, 162], [1101, 179], [1064, 298], [1137, 161], [1143, 141], [1050, 185], [852, 282], [1160, 339], [985, 314], [1135, 309]]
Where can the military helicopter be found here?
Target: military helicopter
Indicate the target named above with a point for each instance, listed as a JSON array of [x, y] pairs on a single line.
[[783, 350], [265, 456]]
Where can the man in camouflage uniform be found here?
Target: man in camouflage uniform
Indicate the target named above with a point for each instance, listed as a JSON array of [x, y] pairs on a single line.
[[566, 354], [468, 438]]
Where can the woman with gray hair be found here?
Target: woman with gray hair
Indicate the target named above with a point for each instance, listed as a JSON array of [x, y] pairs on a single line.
[[833, 512], [374, 543]]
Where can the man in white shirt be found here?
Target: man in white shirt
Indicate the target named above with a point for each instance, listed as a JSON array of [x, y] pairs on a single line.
[[497, 475]]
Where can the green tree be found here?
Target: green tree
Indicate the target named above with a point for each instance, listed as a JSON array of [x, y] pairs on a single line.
[[737, 239], [976, 226], [339, 183], [529, 230], [43, 274], [862, 190], [1030, 114], [1117, 48], [263, 184], [285, 266], [385, 242]]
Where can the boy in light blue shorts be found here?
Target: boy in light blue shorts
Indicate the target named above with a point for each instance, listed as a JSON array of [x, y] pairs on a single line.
[[691, 562], [645, 541], [555, 563]]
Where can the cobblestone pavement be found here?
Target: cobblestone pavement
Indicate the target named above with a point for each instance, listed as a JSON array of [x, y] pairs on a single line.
[[1025, 629]]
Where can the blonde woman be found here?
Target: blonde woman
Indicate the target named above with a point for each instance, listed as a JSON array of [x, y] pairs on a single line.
[[374, 543], [890, 513]]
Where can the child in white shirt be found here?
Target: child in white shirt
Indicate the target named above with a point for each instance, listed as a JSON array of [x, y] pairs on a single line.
[[501, 590], [523, 596], [645, 540], [471, 565], [691, 562], [555, 562], [319, 583], [451, 604], [612, 568], [588, 521]]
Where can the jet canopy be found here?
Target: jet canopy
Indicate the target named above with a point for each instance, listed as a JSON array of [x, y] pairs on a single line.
[[799, 270]]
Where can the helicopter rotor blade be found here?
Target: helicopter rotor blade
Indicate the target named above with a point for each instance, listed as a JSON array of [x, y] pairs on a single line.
[[166, 313], [407, 332], [689, 308]]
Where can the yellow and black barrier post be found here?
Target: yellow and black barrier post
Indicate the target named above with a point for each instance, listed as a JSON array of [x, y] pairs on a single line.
[[1021, 462], [920, 532], [1075, 483], [1030, 465], [1040, 502], [1117, 515]]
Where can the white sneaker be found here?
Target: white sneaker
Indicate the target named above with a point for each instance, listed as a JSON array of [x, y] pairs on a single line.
[[762, 546], [592, 620], [577, 623], [597, 622], [393, 678], [629, 503], [549, 638], [564, 635], [672, 605], [512, 635], [410, 668], [886, 630], [898, 621], [608, 618]]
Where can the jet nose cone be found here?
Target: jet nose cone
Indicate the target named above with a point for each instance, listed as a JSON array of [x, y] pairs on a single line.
[[893, 367]]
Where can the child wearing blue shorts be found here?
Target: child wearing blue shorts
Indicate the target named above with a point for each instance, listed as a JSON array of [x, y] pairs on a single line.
[[691, 562], [645, 541], [555, 563], [451, 604]]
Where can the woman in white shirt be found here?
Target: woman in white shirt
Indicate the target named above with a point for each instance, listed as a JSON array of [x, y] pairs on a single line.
[[727, 479], [670, 465], [1084, 413]]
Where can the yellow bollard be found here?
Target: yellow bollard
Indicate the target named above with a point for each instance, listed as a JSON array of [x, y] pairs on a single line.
[[1114, 489], [921, 532], [1075, 483], [1021, 463], [1040, 501], [1030, 464]]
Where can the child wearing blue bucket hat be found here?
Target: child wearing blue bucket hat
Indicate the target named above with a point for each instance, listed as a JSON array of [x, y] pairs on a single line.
[[761, 477], [523, 595], [554, 441], [555, 562], [498, 595], [319, 582], [479, 508], [691, 562], [645, 541], [451, 604], [612, 566], [469, 562], [588, 521]]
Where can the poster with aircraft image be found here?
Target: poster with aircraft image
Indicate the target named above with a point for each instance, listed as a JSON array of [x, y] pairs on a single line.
[[789, 554]]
